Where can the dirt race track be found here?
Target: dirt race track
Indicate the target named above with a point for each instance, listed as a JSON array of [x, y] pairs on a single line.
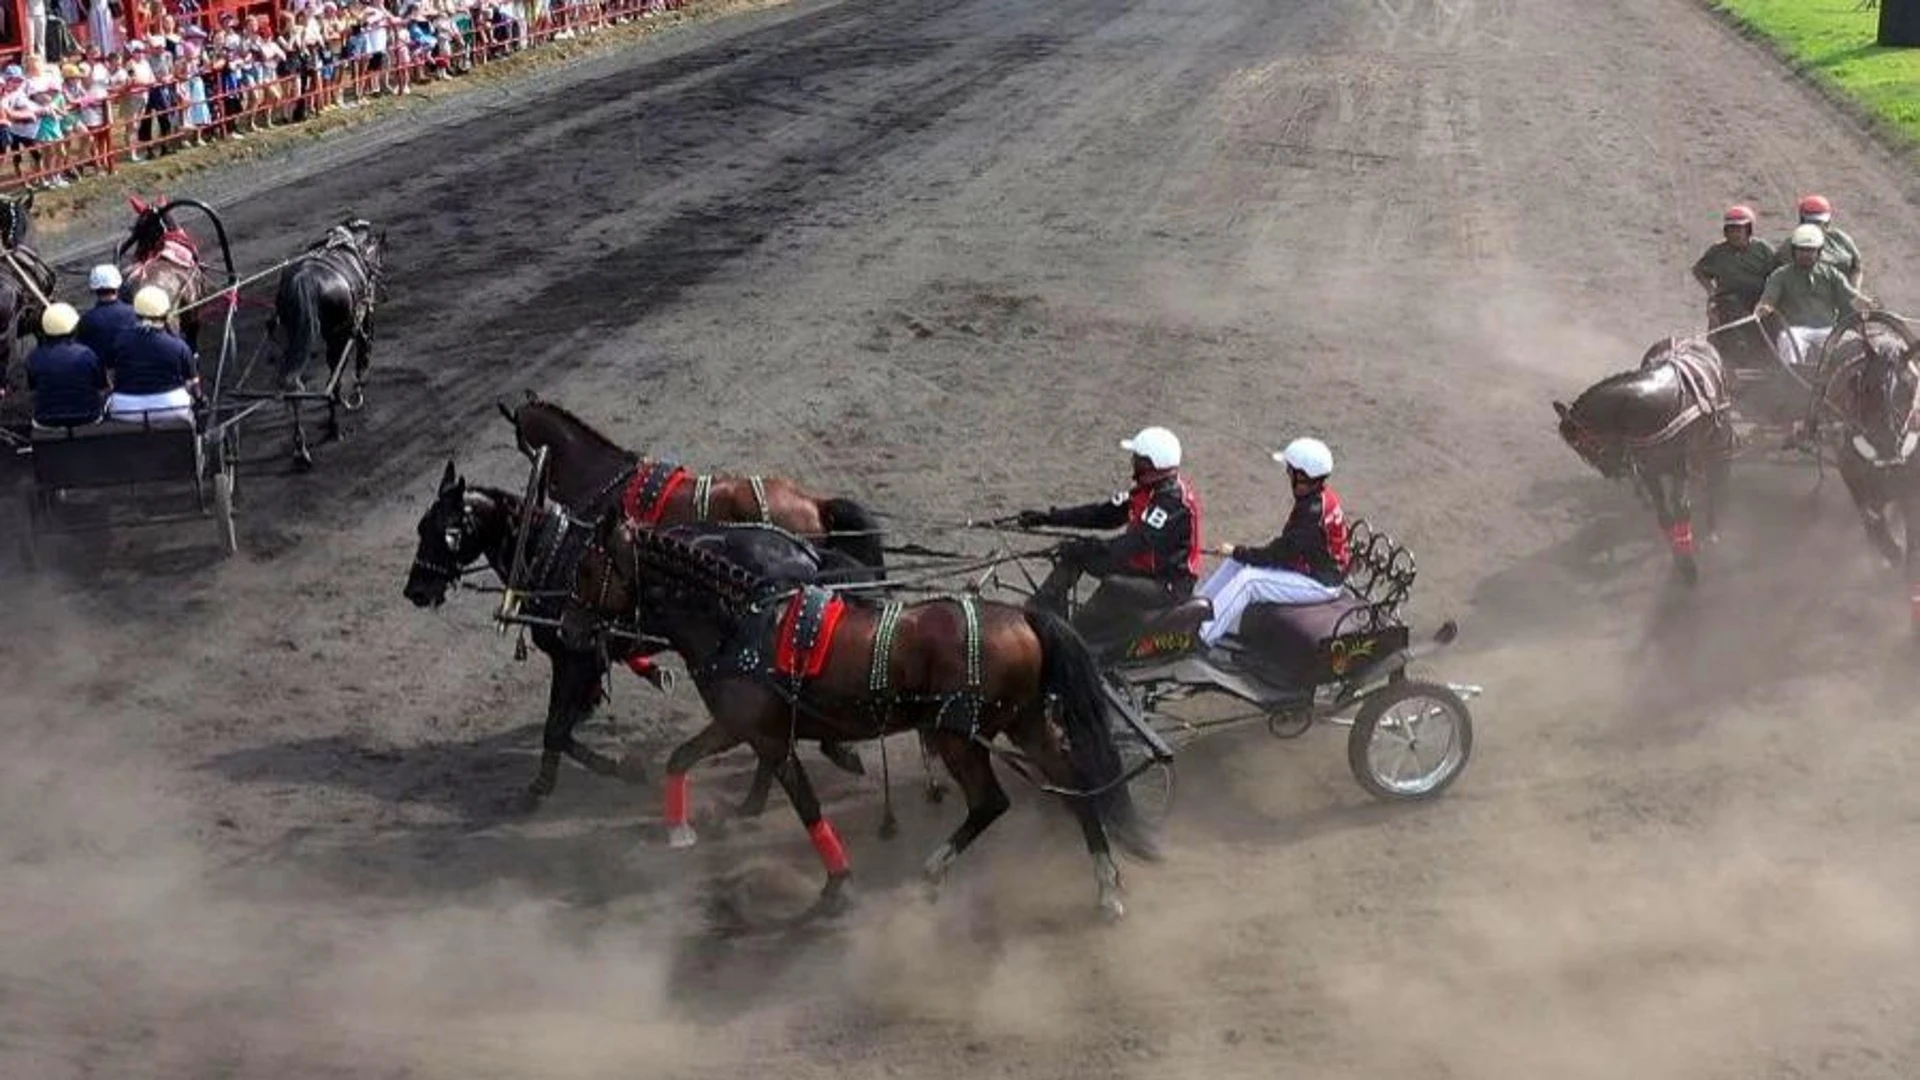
[[256, 817]]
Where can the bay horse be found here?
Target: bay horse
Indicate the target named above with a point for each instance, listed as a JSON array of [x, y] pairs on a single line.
[[468, 525], [1663, 427], [588, 472], [324, 304], [157, 251], [22, 272], [1871, 387], [776, 664]]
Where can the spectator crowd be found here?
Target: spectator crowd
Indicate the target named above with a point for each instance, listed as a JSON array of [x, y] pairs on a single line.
[[193, 77]]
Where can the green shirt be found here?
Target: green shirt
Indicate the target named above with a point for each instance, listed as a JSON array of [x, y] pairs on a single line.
[[1819, 296], [1839, 252], [1739, 271]]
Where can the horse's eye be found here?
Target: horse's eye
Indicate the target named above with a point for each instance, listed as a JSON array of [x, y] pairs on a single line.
[[453, 537]]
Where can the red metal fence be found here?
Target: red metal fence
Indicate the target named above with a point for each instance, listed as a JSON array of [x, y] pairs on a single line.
[[137, 123]]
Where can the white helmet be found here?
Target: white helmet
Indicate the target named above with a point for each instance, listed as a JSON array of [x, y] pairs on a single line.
[[1157, 445], [152, 302], [59, 320], [105, 276], [1310, 456], [1808, 236]]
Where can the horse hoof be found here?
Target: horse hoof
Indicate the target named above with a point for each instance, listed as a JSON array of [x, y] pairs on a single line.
[[302, 462], [631, 770], [751, 809], [1111, 909], [835, 900], [529, 799], [680, 837], [936, 793], [848, 760], [1689, 570], [889, 827]]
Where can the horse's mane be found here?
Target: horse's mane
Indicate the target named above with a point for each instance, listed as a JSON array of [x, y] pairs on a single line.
[[734, 585], [570, 417]]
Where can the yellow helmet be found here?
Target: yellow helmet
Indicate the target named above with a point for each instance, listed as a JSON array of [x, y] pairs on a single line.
[[152, 302], [59, 320]]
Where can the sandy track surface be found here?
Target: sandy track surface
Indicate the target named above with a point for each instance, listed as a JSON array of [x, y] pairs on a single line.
[[257, 815]]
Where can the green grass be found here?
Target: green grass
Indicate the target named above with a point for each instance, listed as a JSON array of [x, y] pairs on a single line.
[[1836, 42]]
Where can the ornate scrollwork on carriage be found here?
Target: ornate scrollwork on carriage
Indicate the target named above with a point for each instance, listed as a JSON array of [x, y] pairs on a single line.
[[1380, 574]]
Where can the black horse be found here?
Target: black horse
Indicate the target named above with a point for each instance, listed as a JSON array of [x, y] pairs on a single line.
[[324, 304], [22, 271], [1663, 427], [467, 525], [1871, 392]]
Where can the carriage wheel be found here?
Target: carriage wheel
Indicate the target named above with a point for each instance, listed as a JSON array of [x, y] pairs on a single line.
[[1289, 723], [1152, 791], [1410, 741], [223, 511]]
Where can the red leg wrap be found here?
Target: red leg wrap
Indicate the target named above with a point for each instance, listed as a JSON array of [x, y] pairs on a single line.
[[641, 665], [677, 798], [1681, 537], [827, 843]]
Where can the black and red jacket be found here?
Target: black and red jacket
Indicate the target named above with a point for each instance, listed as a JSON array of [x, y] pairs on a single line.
[[1161, 514], [1314, 541]]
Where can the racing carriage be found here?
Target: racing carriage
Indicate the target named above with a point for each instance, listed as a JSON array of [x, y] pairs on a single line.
[[1344, 662], [141, 463]]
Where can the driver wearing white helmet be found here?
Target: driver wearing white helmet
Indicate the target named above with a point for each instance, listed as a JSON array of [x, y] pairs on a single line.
[[1305, 564], [1809, 295], [109, 316], [1150, 566]]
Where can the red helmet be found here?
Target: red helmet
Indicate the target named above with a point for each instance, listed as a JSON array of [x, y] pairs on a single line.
[[1738, 215], [1815, 208]]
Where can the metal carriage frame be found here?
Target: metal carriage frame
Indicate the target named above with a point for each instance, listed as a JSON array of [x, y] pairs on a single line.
[[1358, 678]]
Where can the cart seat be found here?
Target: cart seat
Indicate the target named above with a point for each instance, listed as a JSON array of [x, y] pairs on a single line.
[[1182, 618], [1290, 635], [106, 454]]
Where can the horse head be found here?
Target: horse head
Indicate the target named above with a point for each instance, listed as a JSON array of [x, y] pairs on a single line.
[[16, 220], [1605, 456], [454, 534], [151, 224], [1887, 396]]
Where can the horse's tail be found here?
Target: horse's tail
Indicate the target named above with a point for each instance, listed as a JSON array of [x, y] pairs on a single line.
[[854, 531], [1069, 672], [297, 307]]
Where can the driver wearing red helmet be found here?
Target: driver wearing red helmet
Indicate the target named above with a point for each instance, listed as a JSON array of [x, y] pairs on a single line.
[[1734, 271], [1839, 252]]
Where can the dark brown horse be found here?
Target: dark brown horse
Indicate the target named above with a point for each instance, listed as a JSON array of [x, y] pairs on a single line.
[[589, 473], [1663, 427], [1868, 412], [776, 664], [470, 525], [157, 251], [25, 279]]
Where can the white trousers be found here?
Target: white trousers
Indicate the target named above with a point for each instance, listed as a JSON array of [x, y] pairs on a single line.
[[1801, 344], [1233, 585], [174, 405]]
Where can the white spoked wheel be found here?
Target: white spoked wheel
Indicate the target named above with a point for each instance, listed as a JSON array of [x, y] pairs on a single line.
[[1410, 741]]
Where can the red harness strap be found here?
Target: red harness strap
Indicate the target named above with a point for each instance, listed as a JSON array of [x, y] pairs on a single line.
[[807, 659], [639, 506]]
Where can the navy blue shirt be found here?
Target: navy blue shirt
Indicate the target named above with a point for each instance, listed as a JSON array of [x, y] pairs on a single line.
[[102, 324], [150, 360], [66, 379]]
